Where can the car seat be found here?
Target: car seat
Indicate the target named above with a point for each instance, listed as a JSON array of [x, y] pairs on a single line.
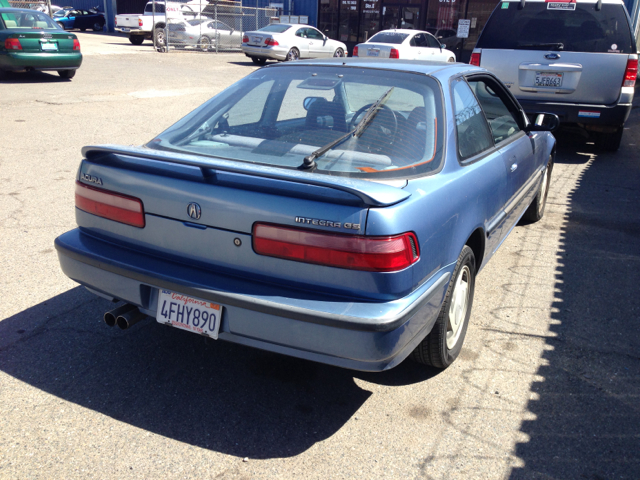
[[326, 115]]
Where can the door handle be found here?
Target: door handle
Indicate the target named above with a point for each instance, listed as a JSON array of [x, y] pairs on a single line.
[[514, 167]]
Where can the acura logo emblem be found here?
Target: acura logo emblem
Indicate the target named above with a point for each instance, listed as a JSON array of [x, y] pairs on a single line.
[[193, 209]]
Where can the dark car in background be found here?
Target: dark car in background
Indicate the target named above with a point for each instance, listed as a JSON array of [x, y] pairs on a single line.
[[71, 18], [575, 59]]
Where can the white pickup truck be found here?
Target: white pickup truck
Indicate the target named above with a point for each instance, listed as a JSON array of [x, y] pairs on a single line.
[[151, 23]]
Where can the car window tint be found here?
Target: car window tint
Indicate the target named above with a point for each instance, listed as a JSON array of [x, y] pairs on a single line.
[[315, 34], [432, 41], [472, 129], [583, 29], [388, 37], [275, 28], [293, 102], [302, 32], [248, 109], [501, 121]]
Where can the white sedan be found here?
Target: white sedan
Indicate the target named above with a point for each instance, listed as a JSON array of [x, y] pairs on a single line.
[[202, 32], [405, 44], [283, 41]]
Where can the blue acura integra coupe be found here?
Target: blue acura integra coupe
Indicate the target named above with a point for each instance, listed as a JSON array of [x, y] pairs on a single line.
[[337, 211]]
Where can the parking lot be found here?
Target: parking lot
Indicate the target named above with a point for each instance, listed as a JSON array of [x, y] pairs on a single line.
[[547, 385]]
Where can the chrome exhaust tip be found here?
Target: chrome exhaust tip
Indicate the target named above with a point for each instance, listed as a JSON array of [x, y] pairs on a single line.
[[111, 316], [129, 318]]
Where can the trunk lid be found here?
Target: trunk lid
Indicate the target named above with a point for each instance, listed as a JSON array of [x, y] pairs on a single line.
[[256, 39], [379, 50], [48, 42], [217, 234]]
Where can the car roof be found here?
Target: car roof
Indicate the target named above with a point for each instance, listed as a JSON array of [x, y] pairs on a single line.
[[403, 30], [16, 10], [412, 66]]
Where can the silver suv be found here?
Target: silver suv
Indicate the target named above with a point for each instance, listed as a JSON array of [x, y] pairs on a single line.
[[577, 59]]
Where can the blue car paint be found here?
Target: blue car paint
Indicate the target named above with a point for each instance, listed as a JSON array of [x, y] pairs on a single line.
[[362, 321]]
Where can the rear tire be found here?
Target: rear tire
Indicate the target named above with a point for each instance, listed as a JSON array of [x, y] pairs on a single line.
[[536, 210], [97, 27], [293, 55], [610, 142], [258, 60], [61, 25], [68, 74], [443, 344], [136, 39], [205, 43]]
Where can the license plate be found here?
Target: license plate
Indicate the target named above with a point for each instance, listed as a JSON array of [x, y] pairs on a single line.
[[256, 40], [548, 79], [373, 53], [49, 47], [125, 29], [188, 313]]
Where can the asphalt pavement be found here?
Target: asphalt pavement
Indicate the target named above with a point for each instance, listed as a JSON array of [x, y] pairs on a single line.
[[547, 385]]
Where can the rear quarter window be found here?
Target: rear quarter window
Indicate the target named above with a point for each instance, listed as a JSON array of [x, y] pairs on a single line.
[[537, 26]]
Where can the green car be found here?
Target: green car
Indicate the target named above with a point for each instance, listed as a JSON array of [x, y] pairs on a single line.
[[30, 40]]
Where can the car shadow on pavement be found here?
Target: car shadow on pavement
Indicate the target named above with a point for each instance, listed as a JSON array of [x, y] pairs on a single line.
[[214, 395], [18, 78], [585, 401]]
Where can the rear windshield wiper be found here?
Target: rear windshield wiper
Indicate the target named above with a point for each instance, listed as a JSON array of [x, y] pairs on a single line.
[[309, 162], [550, 46]]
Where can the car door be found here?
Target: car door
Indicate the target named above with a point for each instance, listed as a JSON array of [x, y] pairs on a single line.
[[318, 47], [418, 48], [301, 42], [482, 161], [516, 147], [435, 48]]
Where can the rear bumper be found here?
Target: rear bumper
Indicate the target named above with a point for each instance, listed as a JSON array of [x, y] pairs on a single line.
[[40, 61], [581, 113], [132, 31], [274, 53], [333, 330]]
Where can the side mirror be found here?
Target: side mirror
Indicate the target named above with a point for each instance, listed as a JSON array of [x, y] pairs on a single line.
[[307, 102], [544, 122], [443, 45]]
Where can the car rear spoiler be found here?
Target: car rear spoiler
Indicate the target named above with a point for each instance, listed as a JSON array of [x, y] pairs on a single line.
[[372, 194]]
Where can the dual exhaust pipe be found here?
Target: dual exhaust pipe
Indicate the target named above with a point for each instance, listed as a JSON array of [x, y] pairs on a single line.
[[124, 316]]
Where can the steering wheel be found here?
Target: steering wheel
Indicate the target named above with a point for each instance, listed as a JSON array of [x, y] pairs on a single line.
[[385, 121]]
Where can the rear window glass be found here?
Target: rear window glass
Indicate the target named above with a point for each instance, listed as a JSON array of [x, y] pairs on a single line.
[[29, 19], [388, 37], [275, 28], [278, 116], [541, 26]]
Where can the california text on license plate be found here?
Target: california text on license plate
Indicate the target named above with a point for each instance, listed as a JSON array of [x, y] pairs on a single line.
[[188, 313], [548, 79], [49, 47]]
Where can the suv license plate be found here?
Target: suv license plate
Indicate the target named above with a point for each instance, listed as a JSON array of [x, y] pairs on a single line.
[[548, 79], [188, 313]]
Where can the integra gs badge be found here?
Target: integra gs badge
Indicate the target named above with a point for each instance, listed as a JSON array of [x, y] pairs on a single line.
[[91, 179], [327, 223]]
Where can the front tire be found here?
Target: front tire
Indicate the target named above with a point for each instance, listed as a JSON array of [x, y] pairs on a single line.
[[339, 52], [443, 344], [136, 39], [293, 55], [258, 60], [97, 27], [451, 60], [68, 74], [536, 210]]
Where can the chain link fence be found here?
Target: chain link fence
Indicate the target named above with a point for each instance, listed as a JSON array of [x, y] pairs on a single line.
[[42, 6], [218, 27]]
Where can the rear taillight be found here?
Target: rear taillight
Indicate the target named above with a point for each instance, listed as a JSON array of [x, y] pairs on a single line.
[[475, 59], [271, 42], [111, 205], [355, 51], [12, 44], [354, 252], [630, 73], [245, 39], [115, 21], [394, 53], [76, 44], [140, 23]]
